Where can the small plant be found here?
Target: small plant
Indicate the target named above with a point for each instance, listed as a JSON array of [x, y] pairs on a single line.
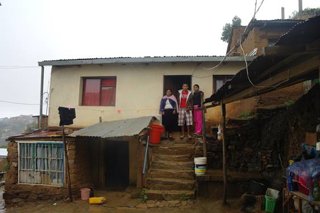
[[246, 115], [185, 197], [289, 103], [143, 196]]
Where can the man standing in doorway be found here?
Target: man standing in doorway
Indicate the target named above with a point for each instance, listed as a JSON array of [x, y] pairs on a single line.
[[185, 110]]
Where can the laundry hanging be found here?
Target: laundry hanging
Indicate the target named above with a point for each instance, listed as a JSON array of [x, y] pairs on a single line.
[[66, 115]]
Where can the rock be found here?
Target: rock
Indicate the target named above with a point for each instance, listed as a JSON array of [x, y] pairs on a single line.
[[16, 200], [162, 204], [141, 206], [151, 202], [173, 203], [151, 205]]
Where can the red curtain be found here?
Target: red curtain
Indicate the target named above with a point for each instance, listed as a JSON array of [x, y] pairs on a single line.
[[108, 92], [91, 92], [99, 92]]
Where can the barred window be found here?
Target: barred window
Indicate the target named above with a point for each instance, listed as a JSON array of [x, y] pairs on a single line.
[[41, 163]]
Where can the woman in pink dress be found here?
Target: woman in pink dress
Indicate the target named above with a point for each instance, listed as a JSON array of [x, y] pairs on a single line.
[[197, 109]]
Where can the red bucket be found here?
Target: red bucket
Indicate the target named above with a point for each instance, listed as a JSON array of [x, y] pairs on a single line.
[[155, 133]]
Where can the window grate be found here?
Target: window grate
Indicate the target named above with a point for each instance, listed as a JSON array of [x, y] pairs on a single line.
[[41, 163]]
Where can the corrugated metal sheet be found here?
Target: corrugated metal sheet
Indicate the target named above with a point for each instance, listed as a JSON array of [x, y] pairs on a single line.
[[301, 34], [37, 134], [131, 60], [114, 129]]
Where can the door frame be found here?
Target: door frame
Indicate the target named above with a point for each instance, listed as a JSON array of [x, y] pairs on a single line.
[[163, 81]]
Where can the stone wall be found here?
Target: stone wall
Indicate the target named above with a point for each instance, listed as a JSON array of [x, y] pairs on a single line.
[[80, 177]]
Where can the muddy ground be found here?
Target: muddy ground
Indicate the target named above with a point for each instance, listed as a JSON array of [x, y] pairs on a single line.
[[124, 202]]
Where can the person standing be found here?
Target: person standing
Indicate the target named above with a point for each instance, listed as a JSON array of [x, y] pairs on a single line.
[[197, 99], [185, 110], [168, 110]]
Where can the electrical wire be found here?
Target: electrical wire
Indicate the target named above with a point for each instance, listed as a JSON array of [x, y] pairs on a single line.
[[18, 103], [256, 10], [17, 67]]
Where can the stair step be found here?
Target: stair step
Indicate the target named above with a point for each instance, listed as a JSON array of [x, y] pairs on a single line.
[[161, 164], [170, 194], [170, 184], [173, 150], [171, 173], [180, 158]]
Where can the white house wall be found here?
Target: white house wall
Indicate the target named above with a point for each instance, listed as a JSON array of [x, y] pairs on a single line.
[[138, 91]]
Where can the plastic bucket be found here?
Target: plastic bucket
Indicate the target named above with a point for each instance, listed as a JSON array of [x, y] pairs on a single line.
[[155, 133], [200, 167], [270, 204], [271, 199], [85, 193]]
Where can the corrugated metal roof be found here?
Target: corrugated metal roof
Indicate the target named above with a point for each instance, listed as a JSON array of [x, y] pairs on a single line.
[[130, 60], [37, 134], [302, 33], [114, 129]]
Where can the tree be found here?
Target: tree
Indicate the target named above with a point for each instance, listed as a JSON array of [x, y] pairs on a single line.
[[306, 13], [227, 28]]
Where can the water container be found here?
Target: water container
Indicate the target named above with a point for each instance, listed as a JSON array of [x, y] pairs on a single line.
[[200, 166], [85, 193], [155, 133]]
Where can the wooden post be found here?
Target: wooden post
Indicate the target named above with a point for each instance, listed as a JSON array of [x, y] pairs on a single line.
[[67, 164], [204, 133], [203, 110], [224, 149]]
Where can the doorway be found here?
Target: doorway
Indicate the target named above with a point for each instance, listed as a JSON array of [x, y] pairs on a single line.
[[175, 82], [117, 164], [109, 162]]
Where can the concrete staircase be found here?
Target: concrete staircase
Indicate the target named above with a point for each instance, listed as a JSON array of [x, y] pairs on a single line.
[[171, 174]]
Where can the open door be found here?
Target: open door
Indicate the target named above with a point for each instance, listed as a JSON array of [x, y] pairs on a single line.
[[175, 83], [117, 164], [109, 161]]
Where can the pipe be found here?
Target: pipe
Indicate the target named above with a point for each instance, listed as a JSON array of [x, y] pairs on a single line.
[[282, 13], [300, 5], [41, 97], [145, 156]]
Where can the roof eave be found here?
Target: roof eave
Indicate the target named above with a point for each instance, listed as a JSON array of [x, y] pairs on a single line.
[[74, 62]]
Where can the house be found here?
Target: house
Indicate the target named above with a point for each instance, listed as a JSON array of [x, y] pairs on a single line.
[[109, 89], [258, 35], [115, 100], [257, 39]]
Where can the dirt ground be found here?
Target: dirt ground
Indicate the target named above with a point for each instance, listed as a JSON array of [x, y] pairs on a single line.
[[120, 202]]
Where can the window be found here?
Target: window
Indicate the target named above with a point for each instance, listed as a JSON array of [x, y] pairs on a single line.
[[41, 163], [99, 91], [220, 80]]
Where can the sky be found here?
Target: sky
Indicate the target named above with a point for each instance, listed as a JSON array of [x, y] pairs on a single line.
[[37, 30]]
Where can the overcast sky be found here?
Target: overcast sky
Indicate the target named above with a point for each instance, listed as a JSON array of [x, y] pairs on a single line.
[[36, 30]]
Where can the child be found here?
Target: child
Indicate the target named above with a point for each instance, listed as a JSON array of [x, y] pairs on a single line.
[[185, 110]]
